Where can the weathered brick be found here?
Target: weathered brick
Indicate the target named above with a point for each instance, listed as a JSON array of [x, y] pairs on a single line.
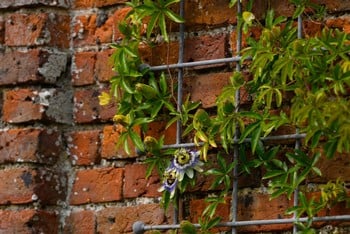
[[342, 23], [136, 185], [83, 3], [103, 3], [104, 65], [92, 29], [37, 29], [206, 88], [96, 3], [252, 205], [121, 219], [209, 13], [332, 169], [2, 30], [80, 222], [119, 16], [83, 68], [196, 49], [28, 221], [21, 3], [97, 185], [83, 147], [25, 185], [23, 105], [87, 108], [19, 106], [157, 129], [334, 5], [109, 149], [29, 145], [33, 66], [283, 7], [254, 32]]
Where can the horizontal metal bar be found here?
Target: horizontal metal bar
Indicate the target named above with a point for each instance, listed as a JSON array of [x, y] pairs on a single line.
[[247, 140], [196, 63], [140, 227]]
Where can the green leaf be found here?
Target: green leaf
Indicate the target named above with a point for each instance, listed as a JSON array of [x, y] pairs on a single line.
[[162, 26], [232, 3], [170, 2], [273, 173], [330, 148], [174, 17], [248, 130], [151, 24], [255, 138], [136, 139]]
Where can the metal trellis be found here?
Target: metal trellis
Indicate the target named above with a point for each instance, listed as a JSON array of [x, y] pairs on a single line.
[[139, 227]]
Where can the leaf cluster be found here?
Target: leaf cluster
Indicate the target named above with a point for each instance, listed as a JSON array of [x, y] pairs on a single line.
[[295, 82]]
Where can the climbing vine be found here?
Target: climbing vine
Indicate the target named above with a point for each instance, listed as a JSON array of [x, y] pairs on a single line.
[[300, 83]]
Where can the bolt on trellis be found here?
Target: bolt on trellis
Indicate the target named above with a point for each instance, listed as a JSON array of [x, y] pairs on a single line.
[[139, 227]]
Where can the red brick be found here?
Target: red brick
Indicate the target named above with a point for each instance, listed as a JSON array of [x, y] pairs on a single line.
[[103, 3], [104, 65], [251, 206], [205, 48], [254, 32], [83, 147], [84, 3], [204, 181], [28, 221], [160, 54], [121, 219], [283, 7], [311, 28], [37, 29], [196, 208], [24, 105], [334, 5], [119, 16], [157, 129], [332, 169], [196, 49], [32, 66], [209, 12], [80, 222], [25, 185], [97, 185], [92, 29], [19, 67], [206, 88], [29, 145], [342, 23], [87, 108], [96, 3], [2, 30], [19, 106], [84, 68], [21, 3], [109, 149], [136, 185]]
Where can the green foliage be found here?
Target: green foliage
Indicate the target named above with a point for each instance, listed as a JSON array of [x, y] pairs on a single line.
[[302, 83]]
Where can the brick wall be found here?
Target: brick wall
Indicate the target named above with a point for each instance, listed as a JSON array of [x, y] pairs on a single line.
[[59, 168]]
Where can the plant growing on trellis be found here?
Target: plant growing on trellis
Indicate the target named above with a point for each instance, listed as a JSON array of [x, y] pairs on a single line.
[[299, 82]]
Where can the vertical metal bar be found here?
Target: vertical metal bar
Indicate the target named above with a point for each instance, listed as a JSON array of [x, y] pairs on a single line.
[[298, 141], [236, 146], [180, 70], [179, 91]]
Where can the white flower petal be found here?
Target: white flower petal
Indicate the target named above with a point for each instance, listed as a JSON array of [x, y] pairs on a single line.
[[190, 173]]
